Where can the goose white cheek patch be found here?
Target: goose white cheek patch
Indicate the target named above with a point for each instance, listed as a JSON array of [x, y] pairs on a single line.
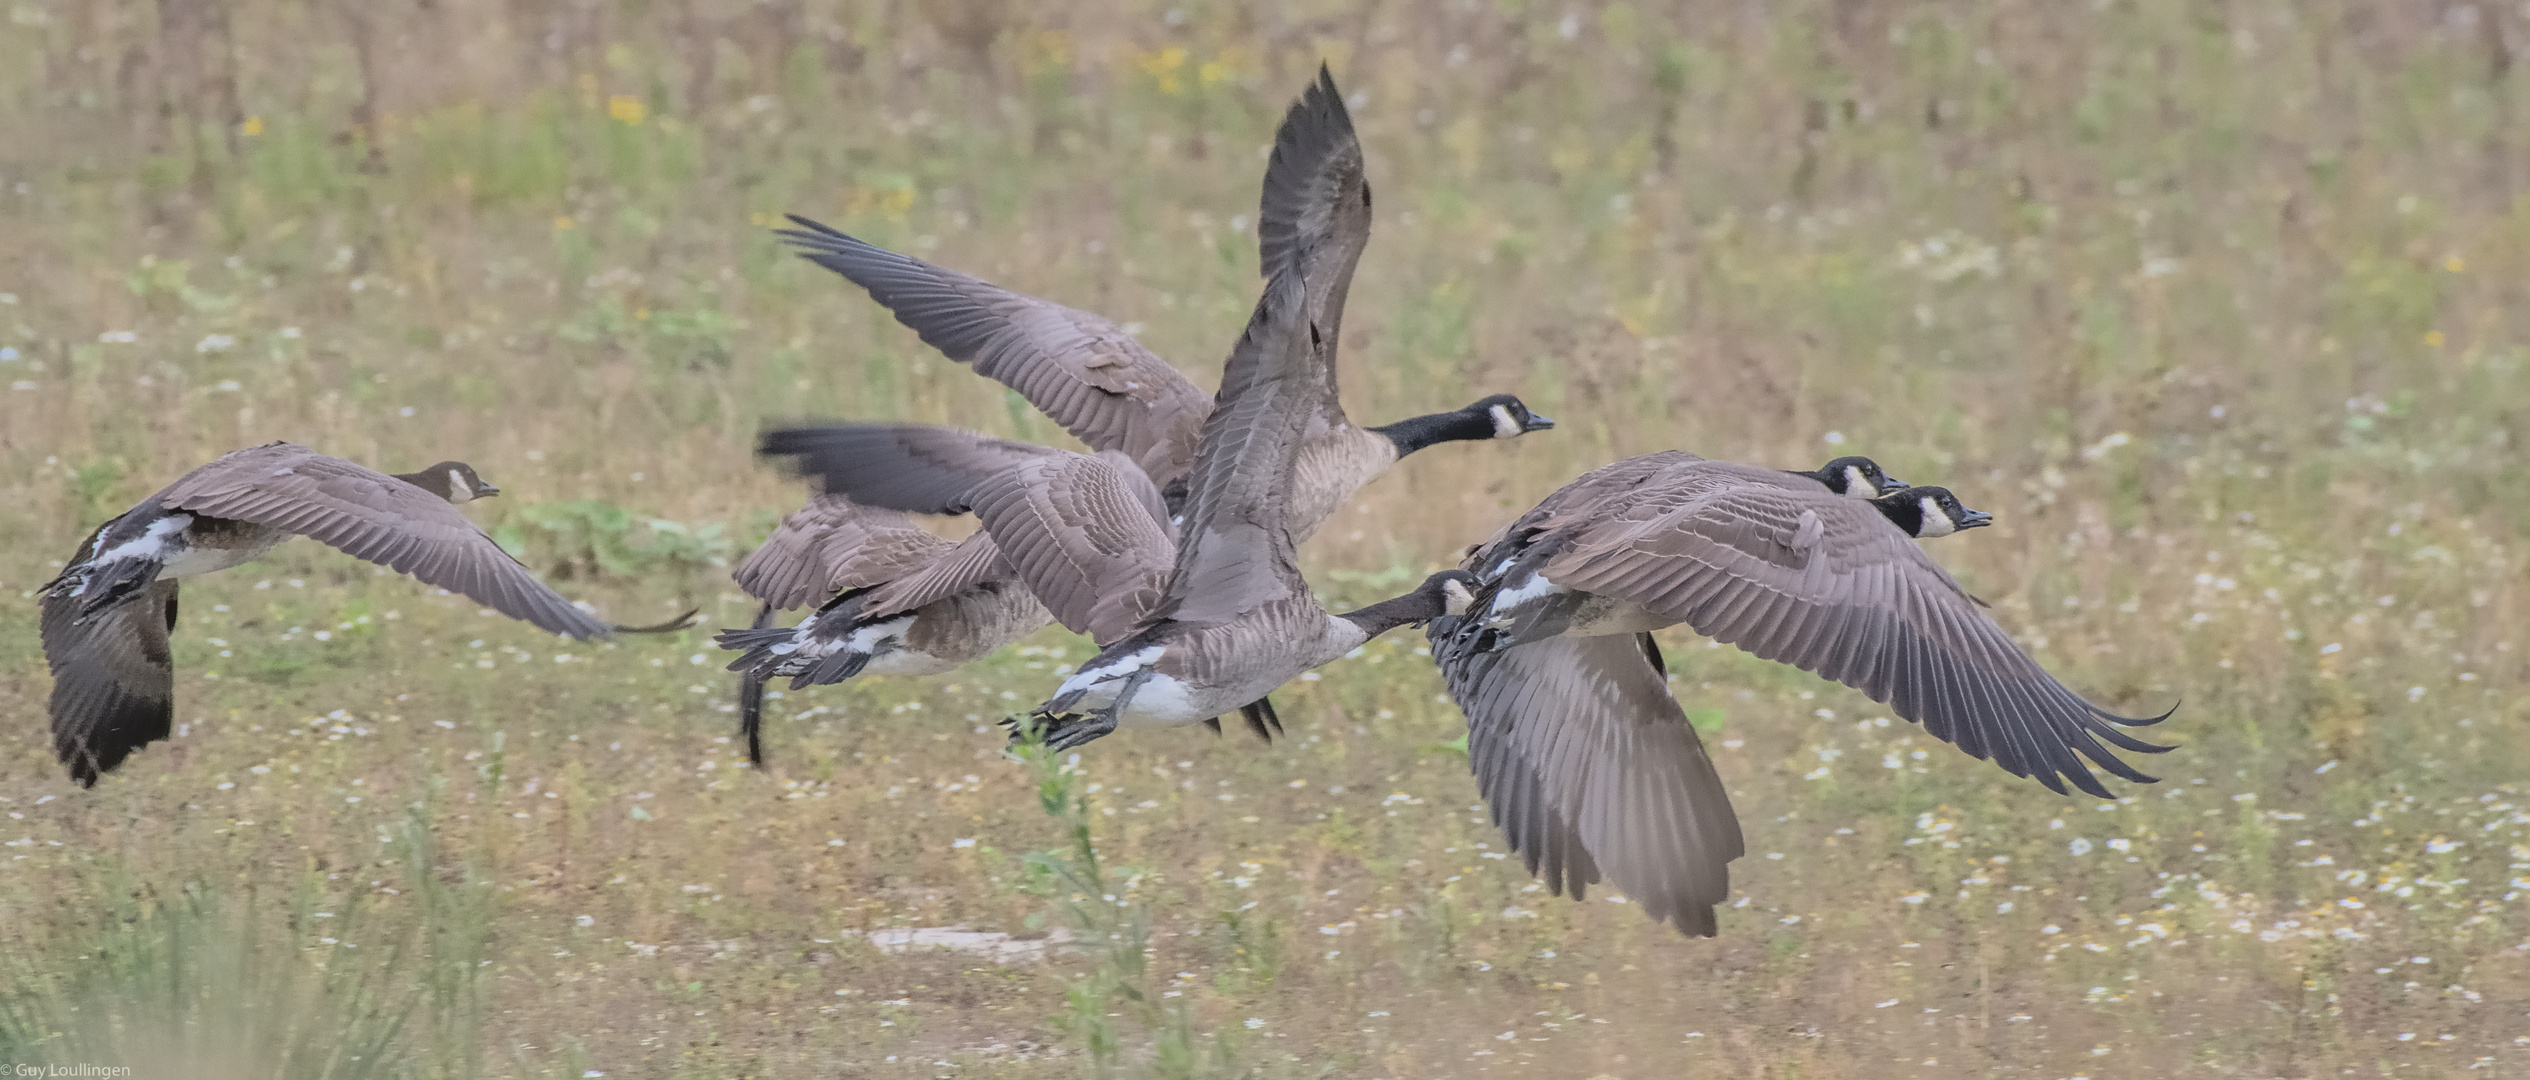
[[1504, 424], [1936, 521]]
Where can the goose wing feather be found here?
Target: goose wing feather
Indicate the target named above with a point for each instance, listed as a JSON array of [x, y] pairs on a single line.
[[1828, 585], [1592, 771], [114, 678], [834, 544], [1313, 217], [1087, 533], [1234, 551], [1081, 370]]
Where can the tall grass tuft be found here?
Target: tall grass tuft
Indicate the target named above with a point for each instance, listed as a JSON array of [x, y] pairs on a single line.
[[1111, 928], [194, 982]]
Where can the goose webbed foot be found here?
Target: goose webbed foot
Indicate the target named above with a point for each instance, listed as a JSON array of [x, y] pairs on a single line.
[[1070, 731], [1061, 731]]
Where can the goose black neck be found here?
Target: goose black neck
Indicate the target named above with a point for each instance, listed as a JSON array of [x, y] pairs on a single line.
[[1388, 615], [1905, 513], [434, 481], [1833, 481], [1422, 605], [1416, 432]]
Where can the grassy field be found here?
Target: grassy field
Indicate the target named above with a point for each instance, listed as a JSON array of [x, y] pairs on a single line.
[[2218, 308]]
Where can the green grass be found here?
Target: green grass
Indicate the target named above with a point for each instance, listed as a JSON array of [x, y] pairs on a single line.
[[2218, 309]]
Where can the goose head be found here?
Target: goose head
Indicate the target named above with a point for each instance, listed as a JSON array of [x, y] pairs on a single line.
[[1508, 417], [1856, 476], [1501, 416], [1927, 512], [454, 481]]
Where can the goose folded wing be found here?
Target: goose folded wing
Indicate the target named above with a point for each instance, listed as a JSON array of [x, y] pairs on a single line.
[[1828, 585], [1081, 370], [970, 563], [1591, 769], [834, 544], [114, 679], [377, 517]]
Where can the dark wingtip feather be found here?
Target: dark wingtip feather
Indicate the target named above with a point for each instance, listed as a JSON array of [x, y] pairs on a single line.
[[793, 438], [669, 627], [117, 727], [2123, 741], [751, 697], [815, 226], [1261, 719], [751, 715], [1314, 130]]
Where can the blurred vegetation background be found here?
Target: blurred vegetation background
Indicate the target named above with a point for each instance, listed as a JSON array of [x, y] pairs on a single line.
[[2218, 306]]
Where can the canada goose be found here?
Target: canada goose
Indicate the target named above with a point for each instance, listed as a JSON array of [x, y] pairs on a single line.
[[1191, 628], [106, 619], [1090, 376], [1590, 765]]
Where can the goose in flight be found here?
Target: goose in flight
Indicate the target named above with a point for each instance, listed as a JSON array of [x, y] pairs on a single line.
[[913, 604], [1192, 626], [1590, 766], [107, 618]]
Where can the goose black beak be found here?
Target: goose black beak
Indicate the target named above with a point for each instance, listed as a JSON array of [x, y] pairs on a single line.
[[1975, 518], [483, 489], [1890, 483], [1538, 422]]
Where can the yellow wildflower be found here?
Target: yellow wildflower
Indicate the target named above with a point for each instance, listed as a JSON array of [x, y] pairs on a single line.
[[1166, 67]]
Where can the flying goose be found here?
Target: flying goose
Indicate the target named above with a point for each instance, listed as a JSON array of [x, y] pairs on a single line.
[[107, 618], [1087, 374], [1192, 627], [1589, 764]]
